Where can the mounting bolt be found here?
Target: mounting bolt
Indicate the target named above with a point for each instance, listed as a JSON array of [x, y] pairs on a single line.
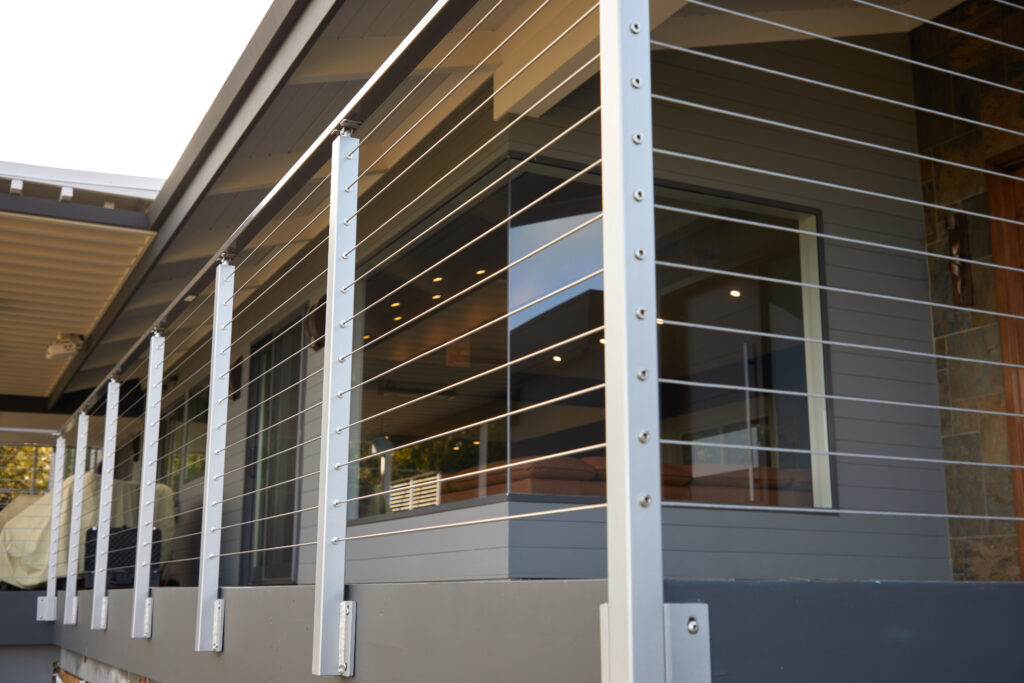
[[636, 82], [638, 195], [640, 254], [634, 27], [646, 501], [641, 313], [643, 436], [642, 374], [348, 609], [692, 627], [638, 138]]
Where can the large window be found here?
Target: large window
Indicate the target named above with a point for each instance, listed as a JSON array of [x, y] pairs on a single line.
[[531, 336], [274, 428], [735, 308]]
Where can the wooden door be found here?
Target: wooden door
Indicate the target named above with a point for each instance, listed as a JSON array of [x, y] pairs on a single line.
[[1006, 200]]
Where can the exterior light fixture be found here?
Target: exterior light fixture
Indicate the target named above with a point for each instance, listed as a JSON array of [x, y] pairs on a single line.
[[735, 293], [397, 318], [396, 304], [437, 279], [557, 359], [481, 271]]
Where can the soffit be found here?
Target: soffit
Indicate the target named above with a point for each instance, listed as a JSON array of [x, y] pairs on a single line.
[[56, 276]]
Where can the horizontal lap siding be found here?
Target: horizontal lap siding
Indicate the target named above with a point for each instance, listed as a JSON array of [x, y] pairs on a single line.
[[714, 543]]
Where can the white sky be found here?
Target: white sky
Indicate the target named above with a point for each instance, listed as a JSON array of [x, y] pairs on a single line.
[[117, 86]]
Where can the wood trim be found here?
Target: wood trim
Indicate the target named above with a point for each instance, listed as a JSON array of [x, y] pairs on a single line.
[[1008, 250]]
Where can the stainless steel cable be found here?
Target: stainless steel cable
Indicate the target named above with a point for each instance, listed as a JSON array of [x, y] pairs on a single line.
[[836, 88], [856, 46], [835, 397], [835, 511]]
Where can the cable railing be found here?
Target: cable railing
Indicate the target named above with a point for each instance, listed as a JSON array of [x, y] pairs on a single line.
[[755, 303]]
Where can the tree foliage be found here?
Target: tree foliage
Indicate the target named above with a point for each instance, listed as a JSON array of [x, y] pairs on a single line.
[[18, 465]]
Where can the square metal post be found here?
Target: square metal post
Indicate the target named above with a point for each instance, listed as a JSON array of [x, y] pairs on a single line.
[[636, 636], [46, 606], [210, 608], [75, 534], [334, 619], [99, 584], [142, 604]]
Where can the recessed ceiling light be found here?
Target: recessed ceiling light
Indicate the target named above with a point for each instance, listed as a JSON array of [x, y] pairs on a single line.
[[397, 318], [557, 359], [476, 443], [456, 448], [436, 297], [366, 336], [396, 304], [735, 293], [437, 279], [190, 298], [481, 271], [601, 340]]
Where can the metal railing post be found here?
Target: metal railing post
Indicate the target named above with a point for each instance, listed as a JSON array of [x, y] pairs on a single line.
[[100, 610], [46, 606], [210, 607], [635, 637], [334, 618], [75, 533], [142, 603]]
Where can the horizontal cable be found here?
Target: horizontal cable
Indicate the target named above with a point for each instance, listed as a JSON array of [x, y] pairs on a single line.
[[931, 22], [443, 98], [278, 277], [266, 400], [176, 514], [1007, 3], [479, 375], [478, 328], [290, 356], [264, 550], [449, 432], [837, 290], [833, 136], [280, 333], [839, 344], [488, 187], [833, 186], [834, 511], [274, 311], [834, 87], [280, 250], [291, 213], [858, 47], [835, 238], [494, 93], [268, 457], [834, 397], [263, 519], [480, 472], [841, 454], [476, 285], [472, 522], [271, 426]]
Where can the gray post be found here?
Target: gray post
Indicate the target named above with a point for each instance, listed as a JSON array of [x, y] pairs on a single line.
[[46, 607], [333, 620], [636, 635], [75, 534], [99, 585], [142, 604], [210, 609]]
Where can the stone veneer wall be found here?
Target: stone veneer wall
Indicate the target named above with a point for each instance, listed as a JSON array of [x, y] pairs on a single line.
[[980, 550]]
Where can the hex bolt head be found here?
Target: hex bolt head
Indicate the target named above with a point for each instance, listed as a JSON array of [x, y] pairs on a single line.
[[646, 501], [692, 627]]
